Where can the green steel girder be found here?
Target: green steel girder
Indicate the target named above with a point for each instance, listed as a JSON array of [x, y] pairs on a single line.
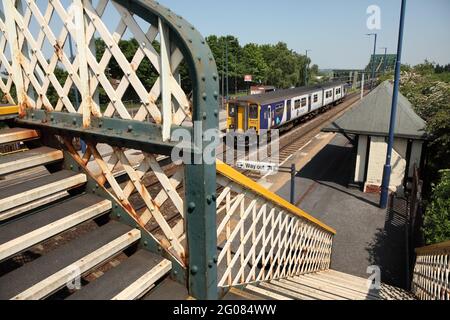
[[200, 180], [129, 134]]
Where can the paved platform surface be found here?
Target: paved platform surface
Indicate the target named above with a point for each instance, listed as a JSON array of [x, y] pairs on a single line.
[[366, 235]]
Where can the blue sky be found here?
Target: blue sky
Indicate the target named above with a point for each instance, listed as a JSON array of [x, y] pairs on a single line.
[[333, 29]]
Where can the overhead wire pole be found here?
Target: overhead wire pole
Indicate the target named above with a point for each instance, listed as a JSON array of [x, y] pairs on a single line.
[[226, 68], [387, 168], [223, 77], [306, 67], [373, 57], [385, 59]]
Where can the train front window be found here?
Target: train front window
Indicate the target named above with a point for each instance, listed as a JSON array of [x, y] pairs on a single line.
[[253, 111], [231, 110]]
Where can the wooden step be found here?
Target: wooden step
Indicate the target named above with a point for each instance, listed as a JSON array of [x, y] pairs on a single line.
[[333, 287], [29, 159], [13, 135], [51, 272], [240, 295], [131, 280], [33, 229], [267, 293], [168, 290], [26, 192], [309, 291], [269, 286], [357, 286]]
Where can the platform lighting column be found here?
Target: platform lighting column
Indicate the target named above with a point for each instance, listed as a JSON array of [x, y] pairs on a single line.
[[387, 168]]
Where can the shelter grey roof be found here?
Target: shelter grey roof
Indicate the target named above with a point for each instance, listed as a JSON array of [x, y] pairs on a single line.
[[371, 116]]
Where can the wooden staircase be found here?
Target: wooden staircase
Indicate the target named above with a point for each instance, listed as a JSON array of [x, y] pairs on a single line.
[[57, 240], [327, 285]]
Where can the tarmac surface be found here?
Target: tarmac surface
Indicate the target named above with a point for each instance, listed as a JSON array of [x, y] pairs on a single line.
[[366, 235]]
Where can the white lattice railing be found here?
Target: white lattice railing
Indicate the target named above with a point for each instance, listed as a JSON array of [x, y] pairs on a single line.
[[262, 237], [35, 47], [431, 280]]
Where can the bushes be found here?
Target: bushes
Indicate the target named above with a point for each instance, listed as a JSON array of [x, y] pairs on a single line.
[[437, 216]]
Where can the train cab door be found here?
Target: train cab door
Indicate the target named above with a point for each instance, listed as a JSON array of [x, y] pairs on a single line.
[[289, 109], [269, 117], [240, 118]]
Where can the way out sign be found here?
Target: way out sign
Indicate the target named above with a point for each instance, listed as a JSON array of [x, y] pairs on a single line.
[[260, 167]]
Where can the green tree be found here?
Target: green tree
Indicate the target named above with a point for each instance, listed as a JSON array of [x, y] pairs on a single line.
[[253, 62], [437, 217]]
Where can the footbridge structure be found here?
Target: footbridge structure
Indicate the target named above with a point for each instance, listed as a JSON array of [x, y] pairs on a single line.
[[91, 204]]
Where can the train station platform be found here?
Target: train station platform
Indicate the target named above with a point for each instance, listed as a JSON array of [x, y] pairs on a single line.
[[366, 235]]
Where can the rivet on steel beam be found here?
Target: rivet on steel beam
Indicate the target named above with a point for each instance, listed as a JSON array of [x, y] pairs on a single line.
[[204, 116], [216, 95], [215, 259], [215, 77], [119, 215], [194, 270], [191, 207], [214, 198], [145, 243], [204, 95], [208, 199]]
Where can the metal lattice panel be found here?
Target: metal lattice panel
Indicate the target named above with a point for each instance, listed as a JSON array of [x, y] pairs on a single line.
[[431, 280], [164, 103], [260, 241]]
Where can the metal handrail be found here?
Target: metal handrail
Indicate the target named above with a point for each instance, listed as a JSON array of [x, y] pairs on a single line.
[[248, 183]]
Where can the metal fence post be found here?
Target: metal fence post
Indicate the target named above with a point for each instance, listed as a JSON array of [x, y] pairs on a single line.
[[293, 175]]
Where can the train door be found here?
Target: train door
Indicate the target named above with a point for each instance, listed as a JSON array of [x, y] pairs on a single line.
[[269, 117], [289, 109], [241, 118], [309, 103]]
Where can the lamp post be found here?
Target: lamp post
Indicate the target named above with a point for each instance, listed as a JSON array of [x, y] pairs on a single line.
[[306, 67], [387, 168], [385, 59], [373, 57]]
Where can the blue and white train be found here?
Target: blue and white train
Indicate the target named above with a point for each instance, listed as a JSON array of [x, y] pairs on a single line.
[[281, 109]]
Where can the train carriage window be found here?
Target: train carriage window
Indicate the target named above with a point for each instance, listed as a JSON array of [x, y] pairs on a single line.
[[253, 111], [304, 102], [297, 104], [316, 98], [329, 94], [279, 110], [338, 91]]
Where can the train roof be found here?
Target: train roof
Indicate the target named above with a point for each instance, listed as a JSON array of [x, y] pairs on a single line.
[[283, 94]]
